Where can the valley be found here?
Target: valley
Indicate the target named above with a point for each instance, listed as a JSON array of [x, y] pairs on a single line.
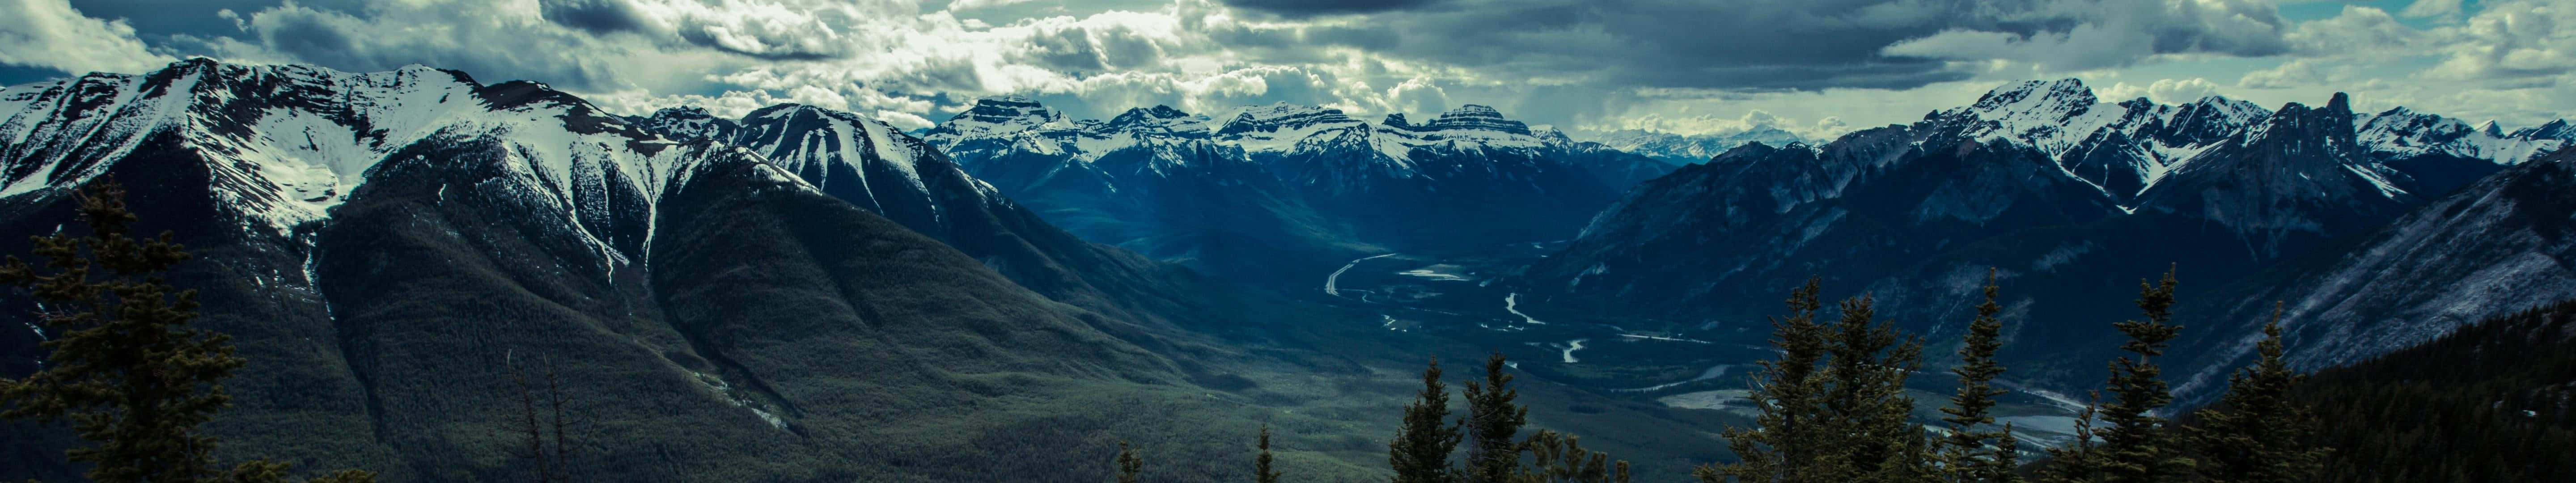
[[803, 292]]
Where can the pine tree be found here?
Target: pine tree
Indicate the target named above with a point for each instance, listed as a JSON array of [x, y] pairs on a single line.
[[127, 370], [1129, 466], [2138, 448], [1787, 438], [2255, 434], [2080, 461], [1420, 451], [1492, 420], [1560, 458], [1970, 454], [1261, 472], [1865, 404]]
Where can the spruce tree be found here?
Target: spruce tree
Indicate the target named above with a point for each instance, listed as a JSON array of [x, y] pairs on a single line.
[[126, 369], [1420, 451], [1560, 458], [1261, 472], [2079, 461], [2138, 448], [1129, 466], [1971, 454], [2255, 434], [1787, 439], [1492, 421], [1865, 404]]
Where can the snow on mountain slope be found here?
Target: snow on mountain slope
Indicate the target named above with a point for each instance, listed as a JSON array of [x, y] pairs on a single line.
[[2121, 149], [1677, 149], [285, 143], [2404, 133]]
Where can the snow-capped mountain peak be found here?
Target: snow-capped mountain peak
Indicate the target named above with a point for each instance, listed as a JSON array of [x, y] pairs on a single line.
[[1157, 119], [999, 116], [285, 143], [1282, 116]]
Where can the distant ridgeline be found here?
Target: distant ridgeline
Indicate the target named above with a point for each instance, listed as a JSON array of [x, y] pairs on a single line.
[[1271, 192]]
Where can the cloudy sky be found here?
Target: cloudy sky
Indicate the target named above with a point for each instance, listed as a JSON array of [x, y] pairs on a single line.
[[1818, 67]]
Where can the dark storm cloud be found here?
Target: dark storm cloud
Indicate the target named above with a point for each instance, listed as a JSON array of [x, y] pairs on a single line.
[[595, 16], [1806, 44], [1296, 8]]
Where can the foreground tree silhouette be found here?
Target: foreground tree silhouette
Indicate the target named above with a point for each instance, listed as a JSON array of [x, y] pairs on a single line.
[[1261, 472], [2255, 434], [2138, 447], [1972, 455], [1783, 444], [1865, 402], [1560, 458], [1420, 451], [1492, 420], [125, 367]]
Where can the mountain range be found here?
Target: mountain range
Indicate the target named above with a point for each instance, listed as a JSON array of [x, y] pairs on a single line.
[[2066, 196], [802, 293], [1273, 192], [1682, 149], [389, 249]]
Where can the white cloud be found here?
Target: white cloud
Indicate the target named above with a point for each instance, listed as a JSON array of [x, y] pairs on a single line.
[[2295, 73], [2357, 31], [50, 34], [2166, 91], [2515, 43], [2439, 9]]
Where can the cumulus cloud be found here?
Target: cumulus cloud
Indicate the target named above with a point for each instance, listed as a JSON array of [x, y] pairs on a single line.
[[50, 34], [2359, 31], [2295, 73], [2523, 43], [2167, 91]]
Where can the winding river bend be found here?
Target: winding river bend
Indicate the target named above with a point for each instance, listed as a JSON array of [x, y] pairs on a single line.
[[1332, 283]]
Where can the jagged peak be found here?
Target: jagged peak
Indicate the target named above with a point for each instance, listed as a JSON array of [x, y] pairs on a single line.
[[1158, 118], [2554, 129], [682, 112], [997, 115], [2490, 128], [1279, 115], [2067, 92]]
